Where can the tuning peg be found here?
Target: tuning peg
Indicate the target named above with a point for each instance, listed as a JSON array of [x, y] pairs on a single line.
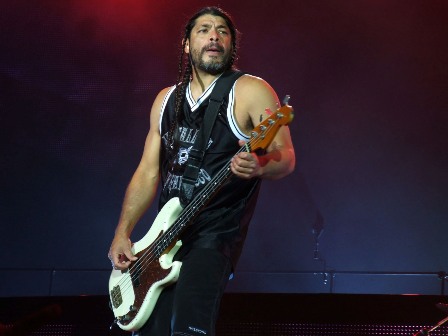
[[286, 99]]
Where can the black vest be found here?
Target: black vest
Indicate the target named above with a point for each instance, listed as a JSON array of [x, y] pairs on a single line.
[[223, 223]]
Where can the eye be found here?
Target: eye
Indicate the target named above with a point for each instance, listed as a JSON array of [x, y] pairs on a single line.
[[203, 30]]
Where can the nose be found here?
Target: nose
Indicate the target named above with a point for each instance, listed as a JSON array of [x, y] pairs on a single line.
[[214, 35]]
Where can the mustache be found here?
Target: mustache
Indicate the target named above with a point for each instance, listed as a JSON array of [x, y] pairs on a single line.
[[213, 45]]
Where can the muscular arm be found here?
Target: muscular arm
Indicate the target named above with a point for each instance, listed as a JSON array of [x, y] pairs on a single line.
[[140, 191], [253, 97]]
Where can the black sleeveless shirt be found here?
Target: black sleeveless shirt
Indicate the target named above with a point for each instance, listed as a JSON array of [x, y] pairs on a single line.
[[224, 221]]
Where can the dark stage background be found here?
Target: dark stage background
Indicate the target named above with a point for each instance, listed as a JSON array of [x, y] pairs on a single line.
[[368, 81]]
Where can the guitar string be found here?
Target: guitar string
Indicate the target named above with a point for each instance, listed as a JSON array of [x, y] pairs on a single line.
[[162, 242], [176, 228], [156, 246]]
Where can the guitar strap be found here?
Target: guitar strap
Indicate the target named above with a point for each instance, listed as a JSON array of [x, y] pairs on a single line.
[[196, 155]]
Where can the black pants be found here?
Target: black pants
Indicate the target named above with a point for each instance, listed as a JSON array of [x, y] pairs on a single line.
[[190, 306]]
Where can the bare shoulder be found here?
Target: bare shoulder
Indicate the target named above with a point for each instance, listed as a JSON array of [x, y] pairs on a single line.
[[249, 84], [157, 105], [253, 95], [161, 97]]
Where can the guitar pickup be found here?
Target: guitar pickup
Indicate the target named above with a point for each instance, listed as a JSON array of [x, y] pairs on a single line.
[[115, 294]]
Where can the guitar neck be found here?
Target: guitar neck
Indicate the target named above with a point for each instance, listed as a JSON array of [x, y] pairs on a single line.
[[261, 137], [198, 203], [206, 194]]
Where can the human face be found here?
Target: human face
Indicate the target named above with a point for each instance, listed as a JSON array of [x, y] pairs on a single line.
[[210, 44]]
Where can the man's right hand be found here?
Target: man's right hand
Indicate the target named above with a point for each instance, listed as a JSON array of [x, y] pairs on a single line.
[[120, 253]]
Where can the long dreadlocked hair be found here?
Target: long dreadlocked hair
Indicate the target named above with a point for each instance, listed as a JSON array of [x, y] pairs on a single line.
[[185, 68]]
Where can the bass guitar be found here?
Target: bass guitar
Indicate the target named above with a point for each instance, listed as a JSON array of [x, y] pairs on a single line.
[[134, 292]]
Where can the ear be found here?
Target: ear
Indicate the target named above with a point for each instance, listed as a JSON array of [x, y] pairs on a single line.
[[187, 46]]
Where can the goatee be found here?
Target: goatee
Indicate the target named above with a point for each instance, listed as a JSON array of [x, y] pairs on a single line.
[[214, 66]]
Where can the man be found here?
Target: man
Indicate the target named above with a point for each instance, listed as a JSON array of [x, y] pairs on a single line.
[[212, 243]]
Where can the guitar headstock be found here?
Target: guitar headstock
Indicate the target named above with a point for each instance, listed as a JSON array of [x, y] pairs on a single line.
[[263, 134]]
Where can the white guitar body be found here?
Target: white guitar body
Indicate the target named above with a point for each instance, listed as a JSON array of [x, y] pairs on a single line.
[[133, 298]]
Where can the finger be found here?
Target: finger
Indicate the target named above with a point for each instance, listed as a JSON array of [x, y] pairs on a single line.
[[128, 252], [115, 260], [112, 261], [114, 266], [239, 163], [240, 172], [248, 158], [246, 162], [121, 263], [129, 255], [120, 267], [113, 257]]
